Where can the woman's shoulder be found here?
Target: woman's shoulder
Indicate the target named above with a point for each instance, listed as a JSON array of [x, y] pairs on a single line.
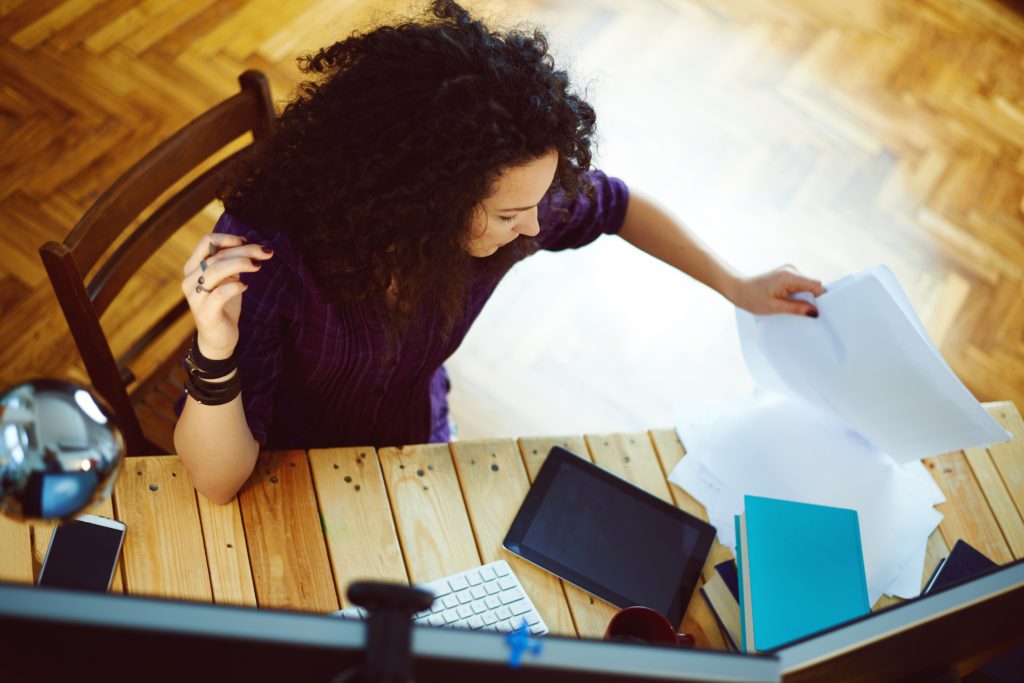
[[284, 252]]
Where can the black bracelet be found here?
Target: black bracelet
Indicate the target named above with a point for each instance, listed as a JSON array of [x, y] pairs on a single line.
[[213, 393], [205, 368]]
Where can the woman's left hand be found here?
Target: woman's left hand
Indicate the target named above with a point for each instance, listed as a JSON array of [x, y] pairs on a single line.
[[770, 292]]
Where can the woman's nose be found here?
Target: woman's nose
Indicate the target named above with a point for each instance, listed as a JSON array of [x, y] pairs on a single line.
[[530, 226]]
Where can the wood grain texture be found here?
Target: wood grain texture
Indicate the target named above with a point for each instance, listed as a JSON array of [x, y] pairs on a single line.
[[590, 614], [1009, 455], [966, 514], [16, 559], [494, 485], [360, 531], [429, 511], [163, 543], [287, 552], [1006, 513]]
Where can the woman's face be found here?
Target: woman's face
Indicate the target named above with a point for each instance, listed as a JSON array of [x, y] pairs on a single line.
[[511, 210]]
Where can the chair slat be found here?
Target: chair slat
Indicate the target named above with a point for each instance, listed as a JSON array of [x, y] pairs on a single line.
[[67, 262], [157, 171], [91, 342], [151, 234]]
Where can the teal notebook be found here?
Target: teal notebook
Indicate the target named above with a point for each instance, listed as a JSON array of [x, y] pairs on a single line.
[[801, 570]]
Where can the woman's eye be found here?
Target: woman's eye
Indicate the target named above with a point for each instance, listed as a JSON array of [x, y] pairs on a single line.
[[509, 219]]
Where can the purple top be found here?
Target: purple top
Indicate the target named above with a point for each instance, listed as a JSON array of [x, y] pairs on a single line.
[[315, 377]]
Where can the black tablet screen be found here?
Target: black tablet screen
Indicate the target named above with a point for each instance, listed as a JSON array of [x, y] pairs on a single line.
[[610, 537]]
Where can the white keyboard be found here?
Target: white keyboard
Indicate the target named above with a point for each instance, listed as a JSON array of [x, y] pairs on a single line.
[[487, 598]]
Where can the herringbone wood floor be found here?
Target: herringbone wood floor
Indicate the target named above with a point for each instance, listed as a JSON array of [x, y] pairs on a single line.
[[830, 135]]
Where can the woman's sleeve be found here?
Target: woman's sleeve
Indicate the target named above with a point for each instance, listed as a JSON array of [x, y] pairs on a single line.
[[266, 306], [572, 222]]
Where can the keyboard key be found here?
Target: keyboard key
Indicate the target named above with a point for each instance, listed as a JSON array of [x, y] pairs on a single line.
[[506, 582], [487, 574], [501, 568], [438, 588], [450, 616], [489, 618], [420, 616], [532, 618], [458, 583], [435, 620], [464, 611], [477, 592], [464, 597], [473, 577], [475, 622], [478, 606], [502, 612], [510, 596], [534, 630], [492, 601], [504, 626], [492, 587], [520, 607], [450, 600]]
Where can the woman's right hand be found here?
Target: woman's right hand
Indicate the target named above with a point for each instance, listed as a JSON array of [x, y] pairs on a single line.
[[216, 298]]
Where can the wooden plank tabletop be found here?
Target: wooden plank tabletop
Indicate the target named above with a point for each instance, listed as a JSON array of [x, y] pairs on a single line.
[[308, 524]]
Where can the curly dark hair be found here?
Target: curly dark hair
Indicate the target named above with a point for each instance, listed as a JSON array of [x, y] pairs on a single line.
[[374, 170]]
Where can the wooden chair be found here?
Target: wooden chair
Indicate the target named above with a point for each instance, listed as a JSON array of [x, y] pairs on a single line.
[[68, 262]]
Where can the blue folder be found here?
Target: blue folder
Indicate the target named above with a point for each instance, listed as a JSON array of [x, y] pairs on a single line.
[[805, 569]]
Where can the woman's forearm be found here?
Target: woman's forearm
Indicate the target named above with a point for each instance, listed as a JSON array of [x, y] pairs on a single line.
[[217, 447], [653, 230]]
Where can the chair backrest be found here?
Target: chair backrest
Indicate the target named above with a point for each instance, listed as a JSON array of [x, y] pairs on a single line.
[[67, 263]]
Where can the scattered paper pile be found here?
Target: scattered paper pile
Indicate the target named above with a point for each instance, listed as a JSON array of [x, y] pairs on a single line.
[[849, 404]]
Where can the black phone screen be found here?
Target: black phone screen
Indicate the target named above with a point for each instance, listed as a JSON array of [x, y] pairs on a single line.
[[82, 556]]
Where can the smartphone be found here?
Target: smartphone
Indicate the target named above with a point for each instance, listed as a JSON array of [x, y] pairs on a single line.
[[83, 554]]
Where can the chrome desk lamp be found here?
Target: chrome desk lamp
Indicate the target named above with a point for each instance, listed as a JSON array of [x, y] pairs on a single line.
[[60, 450]]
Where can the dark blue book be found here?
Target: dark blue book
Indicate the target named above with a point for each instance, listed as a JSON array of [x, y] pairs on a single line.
[[722, 594], [965, 562], [962, 563]]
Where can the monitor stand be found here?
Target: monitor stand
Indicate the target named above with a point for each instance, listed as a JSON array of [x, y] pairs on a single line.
[[388, 630]]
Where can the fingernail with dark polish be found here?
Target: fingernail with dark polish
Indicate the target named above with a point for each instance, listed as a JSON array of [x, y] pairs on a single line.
[[267, 250], [255, 262], [812, 314]]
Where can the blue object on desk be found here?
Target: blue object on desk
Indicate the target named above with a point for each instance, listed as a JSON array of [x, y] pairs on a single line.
[[805, 569]]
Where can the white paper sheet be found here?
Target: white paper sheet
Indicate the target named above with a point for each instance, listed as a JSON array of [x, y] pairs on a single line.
[[781, 447], [868, 360]]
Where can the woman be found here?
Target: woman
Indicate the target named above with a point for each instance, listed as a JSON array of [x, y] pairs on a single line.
[[359, 243]]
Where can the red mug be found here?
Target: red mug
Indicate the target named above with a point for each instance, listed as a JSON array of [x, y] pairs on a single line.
[[645, 625]]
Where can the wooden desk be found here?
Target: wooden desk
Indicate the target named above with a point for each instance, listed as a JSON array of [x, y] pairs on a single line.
[[307, 524]]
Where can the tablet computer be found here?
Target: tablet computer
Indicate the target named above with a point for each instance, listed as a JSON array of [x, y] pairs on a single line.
[[609, 537]]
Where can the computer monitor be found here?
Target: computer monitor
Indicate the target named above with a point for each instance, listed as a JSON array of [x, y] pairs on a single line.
[[936, 637], [50, 634]]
